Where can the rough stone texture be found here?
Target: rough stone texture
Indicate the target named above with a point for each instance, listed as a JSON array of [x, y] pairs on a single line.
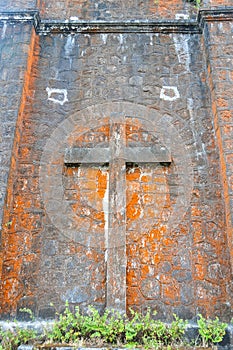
[[11, 5], [112, 10], [216, 3], [220, 72], [120, 9], [14, 47], [173, 220]]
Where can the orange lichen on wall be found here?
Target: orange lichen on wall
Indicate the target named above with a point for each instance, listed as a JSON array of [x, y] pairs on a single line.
[[17, 217], [133, 207], [216, 101], [166, 8], [170, 290], [148, 198], [102, 178]]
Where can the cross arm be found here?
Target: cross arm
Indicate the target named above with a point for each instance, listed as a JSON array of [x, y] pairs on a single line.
[[153, 154], [98, 155], [77, 155]]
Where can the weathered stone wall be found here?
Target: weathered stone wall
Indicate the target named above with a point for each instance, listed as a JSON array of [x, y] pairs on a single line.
[[14, 47], [19, 5], [116, 10], [13, 243], [119, 10], [169, 91], [219, 64]]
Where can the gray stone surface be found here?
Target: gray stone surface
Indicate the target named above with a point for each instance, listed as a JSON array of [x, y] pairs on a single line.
[[13, 64], [160, 78], [130, 154]]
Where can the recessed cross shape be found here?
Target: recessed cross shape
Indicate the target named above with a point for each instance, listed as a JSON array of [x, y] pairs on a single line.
[[116, 155]]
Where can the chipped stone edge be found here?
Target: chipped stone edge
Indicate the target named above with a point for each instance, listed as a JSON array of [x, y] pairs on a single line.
[[193, 26]]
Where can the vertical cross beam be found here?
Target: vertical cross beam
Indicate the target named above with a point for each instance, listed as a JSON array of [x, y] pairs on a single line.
[[116, 240], [117, 155]]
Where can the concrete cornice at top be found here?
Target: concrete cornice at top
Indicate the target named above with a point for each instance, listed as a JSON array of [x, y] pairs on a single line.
[[44, 27]]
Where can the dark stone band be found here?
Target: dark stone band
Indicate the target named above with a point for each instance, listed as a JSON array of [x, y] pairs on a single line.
[[128, 26]]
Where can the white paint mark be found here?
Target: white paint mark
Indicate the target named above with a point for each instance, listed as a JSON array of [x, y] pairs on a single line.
[[182, 16], [121, 39], [70, 43], [169, 93], [117, 137], [74, 18], [182, 49], [83, 53], [190, 106], [106, 216], [104, 38], [60, 95], [4, 30], [151, 39]]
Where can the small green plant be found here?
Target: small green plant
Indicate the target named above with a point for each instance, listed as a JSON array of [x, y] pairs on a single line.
[[11, 339], [8, 225], [66, 328], [143, 330], [177, 329], [197, 3], [113, 329], [211, 331], [29, 312]]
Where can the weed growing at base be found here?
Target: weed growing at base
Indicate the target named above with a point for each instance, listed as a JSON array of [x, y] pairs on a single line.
[[115, 329], [11, 339], [211, 331]]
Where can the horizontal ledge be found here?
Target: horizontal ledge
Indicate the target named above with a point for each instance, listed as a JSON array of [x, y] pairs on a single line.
[[97, 155], [19, 16], [212, 15], [137, 26], [128, 26]]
